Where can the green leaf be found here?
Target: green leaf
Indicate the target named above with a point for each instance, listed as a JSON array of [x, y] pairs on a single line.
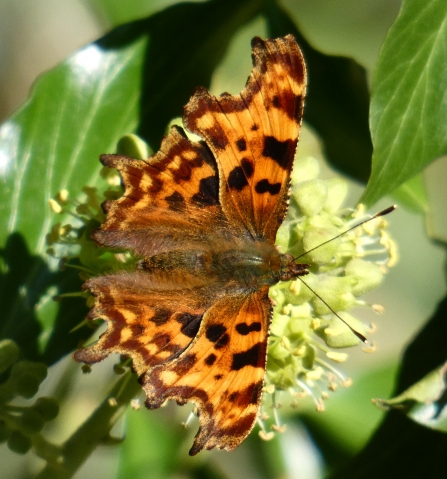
[[133, 79], [424, 401], [409, 102], [53, 143], [412, 195]]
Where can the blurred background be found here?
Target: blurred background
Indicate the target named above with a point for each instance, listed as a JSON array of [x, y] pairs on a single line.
[[38, 34]]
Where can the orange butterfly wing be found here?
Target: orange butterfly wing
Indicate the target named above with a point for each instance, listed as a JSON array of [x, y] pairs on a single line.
[[166, 197], [222, 371], [254, 135], [150, 326]]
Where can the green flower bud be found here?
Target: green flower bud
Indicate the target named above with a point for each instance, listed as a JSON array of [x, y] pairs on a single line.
[[310, 196], [338, 335], [283, 378], [336, 292], [9, 353], [337, 189], [31, 421], [27, 385], [132, 145], [304, 169], [27, 377], [118, 369], [279, 324], [5, 432], [368, 275], [309, 358], [279, 350], [313, 238], [47, 407], [283, 238], [338, 274], [19, 443]]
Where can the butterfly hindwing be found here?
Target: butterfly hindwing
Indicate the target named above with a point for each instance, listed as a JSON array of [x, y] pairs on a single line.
[[146, 325], [222, 371]]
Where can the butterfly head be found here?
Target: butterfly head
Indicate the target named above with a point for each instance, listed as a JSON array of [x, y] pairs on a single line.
[[290, 269]]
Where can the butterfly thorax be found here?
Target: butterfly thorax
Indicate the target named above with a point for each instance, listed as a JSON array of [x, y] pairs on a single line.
[[248, 265]]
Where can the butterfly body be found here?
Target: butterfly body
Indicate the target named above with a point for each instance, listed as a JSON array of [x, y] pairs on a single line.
[[203, 217], [245, 266]]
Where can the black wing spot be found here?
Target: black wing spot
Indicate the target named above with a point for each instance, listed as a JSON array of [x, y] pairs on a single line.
[[276, 102], [264, 186], [237, 179], [232, 397], [252, 357], [241, 144], [244, 328], [161, 316], [215, 332], [209, 361], [280, 151], [247, 166], [208, 194], [222, 342], [190, 323], [175, 201]]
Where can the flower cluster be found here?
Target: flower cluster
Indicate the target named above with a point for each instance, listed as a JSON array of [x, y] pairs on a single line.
[[20, 426], [310, 321]]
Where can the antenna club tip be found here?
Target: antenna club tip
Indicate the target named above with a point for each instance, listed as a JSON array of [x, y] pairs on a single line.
[[360, 336], [386, 211]]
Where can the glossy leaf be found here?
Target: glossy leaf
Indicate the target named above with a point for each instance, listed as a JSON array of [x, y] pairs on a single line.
[[409, 101], [412, 195], [132, 79], [424, 401]]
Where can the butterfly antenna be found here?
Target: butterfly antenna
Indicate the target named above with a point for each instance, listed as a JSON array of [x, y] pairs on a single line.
[[359, 335], [384, 212]]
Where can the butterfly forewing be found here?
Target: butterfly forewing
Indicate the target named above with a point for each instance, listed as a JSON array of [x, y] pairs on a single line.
[[253, 136], [165, 198]]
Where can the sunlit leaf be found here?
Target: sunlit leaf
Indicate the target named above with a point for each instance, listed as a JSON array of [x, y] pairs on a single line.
[[133, 79], [409, 97], [424, 401]]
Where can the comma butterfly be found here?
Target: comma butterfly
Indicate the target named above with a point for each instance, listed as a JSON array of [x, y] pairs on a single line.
[[203, 216]]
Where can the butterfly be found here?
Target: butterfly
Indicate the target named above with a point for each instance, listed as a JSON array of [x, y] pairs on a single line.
[[202, 218]]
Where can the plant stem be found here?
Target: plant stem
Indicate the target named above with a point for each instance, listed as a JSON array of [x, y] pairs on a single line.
[[94, 431]]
